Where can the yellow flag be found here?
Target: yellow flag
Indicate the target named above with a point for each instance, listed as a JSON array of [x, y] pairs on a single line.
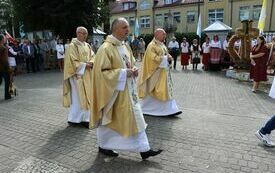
[[261, 23]]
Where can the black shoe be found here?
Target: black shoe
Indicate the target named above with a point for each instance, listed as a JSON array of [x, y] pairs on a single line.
[[147, 154], [107, 152], [8, 97], [72, 124], [175, 114], [85, 124]]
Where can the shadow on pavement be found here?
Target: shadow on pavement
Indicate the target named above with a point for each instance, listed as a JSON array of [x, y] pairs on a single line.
[[107, 164], [64, 141]]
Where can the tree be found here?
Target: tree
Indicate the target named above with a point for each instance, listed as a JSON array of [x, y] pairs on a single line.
[[6, 15], [62, 16]]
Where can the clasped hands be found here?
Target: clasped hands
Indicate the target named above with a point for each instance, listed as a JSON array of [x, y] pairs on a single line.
[[132, 72], [89, 65]]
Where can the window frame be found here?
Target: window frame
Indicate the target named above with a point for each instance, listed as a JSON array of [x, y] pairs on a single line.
[[145, 21]]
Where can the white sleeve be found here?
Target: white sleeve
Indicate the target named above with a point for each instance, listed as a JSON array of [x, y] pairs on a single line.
[[178, 45], [122, 80], [57, 48], [81, 69], [12, 51], [164, 62], [169, 45]]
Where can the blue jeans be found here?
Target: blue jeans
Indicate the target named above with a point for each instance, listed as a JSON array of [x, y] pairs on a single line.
[[269, 126]]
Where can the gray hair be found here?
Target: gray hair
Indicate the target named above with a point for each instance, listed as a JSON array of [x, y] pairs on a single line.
[[159, 30], [81, 28], [117, 21]]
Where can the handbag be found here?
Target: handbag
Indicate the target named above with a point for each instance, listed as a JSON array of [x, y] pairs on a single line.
[[12, 89], [196, 59]]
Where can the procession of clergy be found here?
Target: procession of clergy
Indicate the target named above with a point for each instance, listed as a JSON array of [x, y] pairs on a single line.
[[107, 92]]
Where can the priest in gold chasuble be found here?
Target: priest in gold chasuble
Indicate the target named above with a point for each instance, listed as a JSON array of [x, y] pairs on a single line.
[[77, 85], [155, 87], [116, 112]]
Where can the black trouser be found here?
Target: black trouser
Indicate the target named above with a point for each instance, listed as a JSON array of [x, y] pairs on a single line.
[[31, 62], [6, 77], [195, 66], [175, 57]]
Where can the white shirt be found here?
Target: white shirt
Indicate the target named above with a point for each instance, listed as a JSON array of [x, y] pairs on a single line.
[[173, 44], [225, 45], [237, 44], [66, 46], [216, 44], [184, 47], [12, 51], [253, 42], [29, 49], [60, 51], [206, 47]]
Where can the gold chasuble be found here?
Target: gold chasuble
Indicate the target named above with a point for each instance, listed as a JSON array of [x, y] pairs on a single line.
[[77, 54], [117, 110], [153, 80]]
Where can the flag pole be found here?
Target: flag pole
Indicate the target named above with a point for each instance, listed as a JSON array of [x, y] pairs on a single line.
[[199, 12]]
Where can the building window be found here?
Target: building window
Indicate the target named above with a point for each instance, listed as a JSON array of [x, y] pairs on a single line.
[[256, 12], [129, 5], [214, 15], [244, 13], [159, 20], [167, 2], [177, 17], [145, 21], [144, 5], [132, 21], [165, 16], [190, 16]]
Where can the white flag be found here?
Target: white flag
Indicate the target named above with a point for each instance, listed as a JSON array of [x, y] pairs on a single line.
[[261, 23], [199, 26]]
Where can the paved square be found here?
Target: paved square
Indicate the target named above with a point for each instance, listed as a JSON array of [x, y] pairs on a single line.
[[215, 133]]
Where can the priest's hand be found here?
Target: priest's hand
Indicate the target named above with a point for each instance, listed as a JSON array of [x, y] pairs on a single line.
[[169, 58], [129, 72], [89, 65], [135, 71]]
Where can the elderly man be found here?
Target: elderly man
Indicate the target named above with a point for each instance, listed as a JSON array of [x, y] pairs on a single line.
[[174, 48], [155, 86], [116, 111], [77, 78]]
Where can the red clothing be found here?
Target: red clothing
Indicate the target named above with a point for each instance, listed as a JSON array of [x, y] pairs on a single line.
[[205, 59], [215, 55], [184, 59], [258, 71]]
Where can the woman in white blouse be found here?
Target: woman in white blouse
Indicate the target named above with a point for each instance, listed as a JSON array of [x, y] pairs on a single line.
[[60, 54], [184, 54], [206, 53], [215, 53]]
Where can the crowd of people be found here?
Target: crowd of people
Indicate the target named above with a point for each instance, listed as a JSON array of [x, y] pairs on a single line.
[[138, 48]]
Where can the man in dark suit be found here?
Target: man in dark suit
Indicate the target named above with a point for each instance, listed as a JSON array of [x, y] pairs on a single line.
[[4, 66], [28, 51]]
